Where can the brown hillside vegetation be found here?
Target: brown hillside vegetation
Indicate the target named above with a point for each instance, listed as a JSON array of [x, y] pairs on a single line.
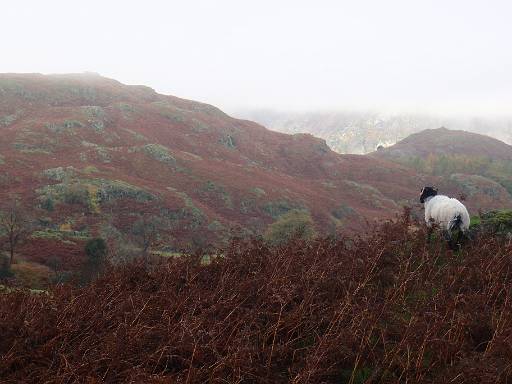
[[83, 153], [84, 150], [387, 307]]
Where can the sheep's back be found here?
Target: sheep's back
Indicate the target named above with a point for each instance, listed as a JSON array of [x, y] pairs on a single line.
[[443, 209]]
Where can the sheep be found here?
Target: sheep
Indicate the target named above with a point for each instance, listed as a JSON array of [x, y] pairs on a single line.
[[448, 213]]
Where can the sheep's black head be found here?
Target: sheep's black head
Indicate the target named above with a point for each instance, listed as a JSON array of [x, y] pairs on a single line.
[[427, 192]]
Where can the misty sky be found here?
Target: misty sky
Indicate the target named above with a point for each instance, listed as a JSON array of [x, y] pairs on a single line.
[[445, 56]]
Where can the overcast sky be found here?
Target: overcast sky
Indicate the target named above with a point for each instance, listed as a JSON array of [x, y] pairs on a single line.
[[446, 55]]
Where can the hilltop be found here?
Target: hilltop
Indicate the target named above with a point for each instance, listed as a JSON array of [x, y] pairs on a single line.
[[473, 162], [443, 141]]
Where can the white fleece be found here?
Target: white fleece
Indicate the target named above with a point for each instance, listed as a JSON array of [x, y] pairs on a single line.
[[443, 209]]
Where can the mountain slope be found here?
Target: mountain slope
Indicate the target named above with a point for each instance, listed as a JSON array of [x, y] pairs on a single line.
[[85, 151], [90, 156]]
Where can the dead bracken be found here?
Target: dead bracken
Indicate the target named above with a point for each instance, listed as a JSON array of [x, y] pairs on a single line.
[[386, 307]]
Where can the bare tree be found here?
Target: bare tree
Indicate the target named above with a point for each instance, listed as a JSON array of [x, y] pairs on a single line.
[[14, 226], [147, 231]]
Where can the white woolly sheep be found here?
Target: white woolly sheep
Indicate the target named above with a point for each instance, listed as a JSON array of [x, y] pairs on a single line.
[[448, 213]]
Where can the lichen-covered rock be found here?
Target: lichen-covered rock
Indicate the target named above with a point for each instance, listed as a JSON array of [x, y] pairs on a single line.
[[160, 153], [65, 126], [117, 189], [228, 141], [96, 117], [103, 155], [30, 148], [8, 120], [90, 193], [259, 192], [59, 173]]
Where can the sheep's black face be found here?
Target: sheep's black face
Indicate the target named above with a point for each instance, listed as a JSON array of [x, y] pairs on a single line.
[[427, 192]]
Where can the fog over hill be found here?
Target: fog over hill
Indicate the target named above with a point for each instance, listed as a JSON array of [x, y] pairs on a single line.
[[362, 132]]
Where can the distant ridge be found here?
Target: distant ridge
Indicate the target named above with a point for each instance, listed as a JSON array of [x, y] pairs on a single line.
[[452, 142], [363, 131]]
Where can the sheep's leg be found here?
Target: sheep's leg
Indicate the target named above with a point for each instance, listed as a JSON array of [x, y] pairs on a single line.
[[430, 230], [455, 241], [464, 236], [450, 239]]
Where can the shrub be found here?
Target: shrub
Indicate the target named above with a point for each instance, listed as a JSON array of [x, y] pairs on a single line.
[[48, 204], [295, 224], [5, 268], [96, 251], [495, 222], [277, 208], [76, 194], [343, 211]]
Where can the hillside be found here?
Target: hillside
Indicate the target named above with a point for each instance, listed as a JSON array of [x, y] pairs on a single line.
[[474, 162], [89, 156]]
